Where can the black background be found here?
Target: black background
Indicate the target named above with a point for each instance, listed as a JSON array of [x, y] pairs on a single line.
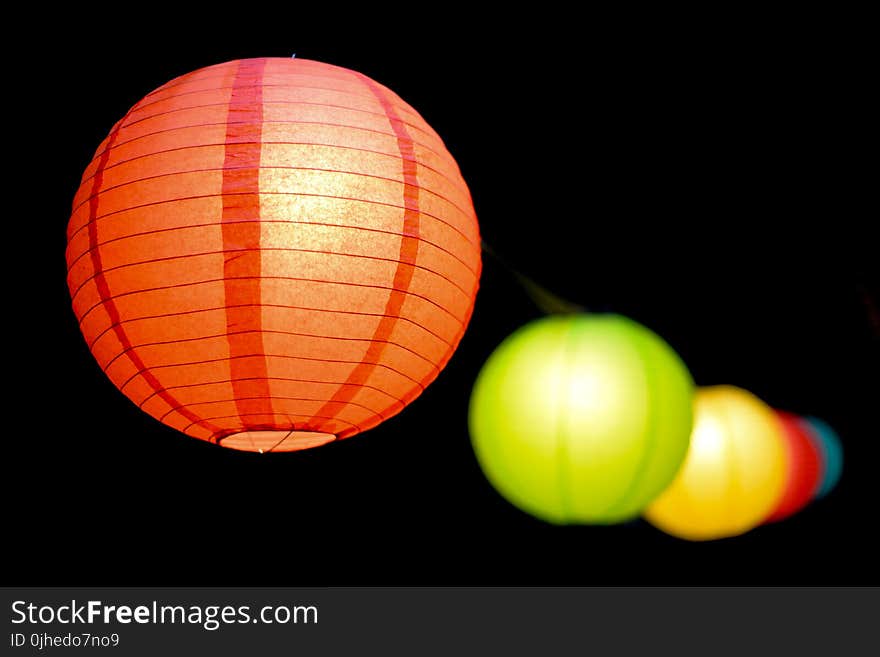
[[693, 178]]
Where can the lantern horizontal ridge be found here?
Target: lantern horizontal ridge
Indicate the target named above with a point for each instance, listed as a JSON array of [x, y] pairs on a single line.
[[461, 320], [341, 90], [281, 397], [372, 109], [290, 333], [274, 193], [299, 124], [431, 143], [283, 104], [283, 83], [263, 248], [269, 168], [284, 143], [255, 355]]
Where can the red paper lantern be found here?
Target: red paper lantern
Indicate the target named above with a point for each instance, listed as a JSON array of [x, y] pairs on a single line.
[[802, 471], [272, 253]]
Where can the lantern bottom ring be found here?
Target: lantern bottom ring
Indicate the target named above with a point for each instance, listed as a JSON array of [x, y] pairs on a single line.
[[281, 440]]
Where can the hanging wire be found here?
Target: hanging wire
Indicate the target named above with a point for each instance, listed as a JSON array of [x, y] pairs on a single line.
[[544, 299]]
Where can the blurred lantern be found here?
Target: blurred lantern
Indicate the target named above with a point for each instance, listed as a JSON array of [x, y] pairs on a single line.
[[581, 418], [830, 451], [272, 253], [802, 469], [734, 471]]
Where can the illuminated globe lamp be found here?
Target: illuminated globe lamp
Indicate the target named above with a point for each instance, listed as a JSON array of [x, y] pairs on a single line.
[[581, 418], [734, 472], [802, 472], [830, 451], [271, 254]]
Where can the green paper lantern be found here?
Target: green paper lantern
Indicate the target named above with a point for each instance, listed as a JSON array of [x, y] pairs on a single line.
[[582, 418]]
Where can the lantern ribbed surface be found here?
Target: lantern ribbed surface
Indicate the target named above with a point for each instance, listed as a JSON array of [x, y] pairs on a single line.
[[802, 472], [734, 473], [830, 451], [270, 254], [581, 418]]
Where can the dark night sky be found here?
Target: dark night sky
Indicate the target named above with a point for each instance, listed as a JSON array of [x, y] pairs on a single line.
[[696, 184]]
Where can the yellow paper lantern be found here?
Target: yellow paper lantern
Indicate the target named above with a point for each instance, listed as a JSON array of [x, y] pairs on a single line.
[[734, 471]]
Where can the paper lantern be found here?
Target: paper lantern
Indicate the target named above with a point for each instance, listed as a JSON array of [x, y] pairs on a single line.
[[581, 418], [827, 444], [734, 471], [270, 254], [802, 468]]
